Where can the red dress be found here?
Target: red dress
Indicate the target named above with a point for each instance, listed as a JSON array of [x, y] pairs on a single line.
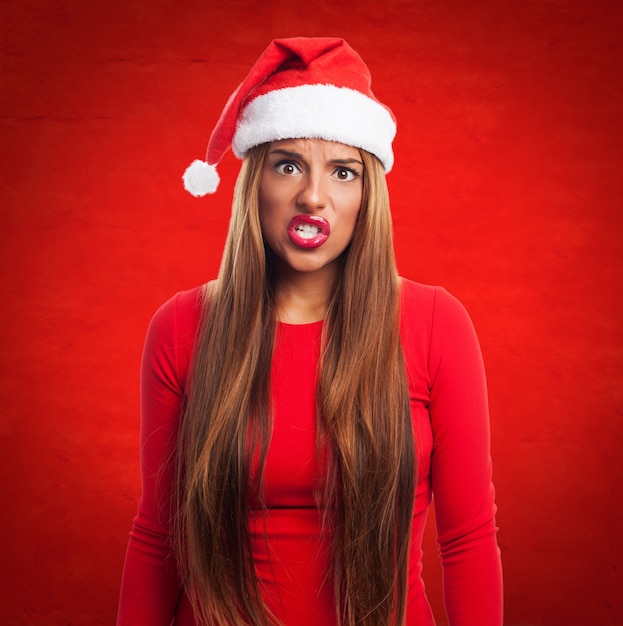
[[450, 417]]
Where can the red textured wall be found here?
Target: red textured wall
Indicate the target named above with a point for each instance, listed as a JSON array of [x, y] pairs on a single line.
[[507, 190]]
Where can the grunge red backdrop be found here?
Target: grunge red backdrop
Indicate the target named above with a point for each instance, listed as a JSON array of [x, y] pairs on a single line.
[[507, 190]]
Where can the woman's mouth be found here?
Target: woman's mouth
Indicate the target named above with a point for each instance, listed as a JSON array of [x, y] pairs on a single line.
[[308, 231]]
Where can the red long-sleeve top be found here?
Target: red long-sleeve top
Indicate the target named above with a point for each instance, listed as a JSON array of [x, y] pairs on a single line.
[[449, 409]]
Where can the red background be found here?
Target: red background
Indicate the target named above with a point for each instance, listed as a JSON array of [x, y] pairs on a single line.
[[507, 190]]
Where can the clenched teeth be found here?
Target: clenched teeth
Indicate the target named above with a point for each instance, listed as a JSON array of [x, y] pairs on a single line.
[[307, 231]]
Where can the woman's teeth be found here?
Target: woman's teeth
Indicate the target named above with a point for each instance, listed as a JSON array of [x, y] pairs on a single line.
[[307, 231]]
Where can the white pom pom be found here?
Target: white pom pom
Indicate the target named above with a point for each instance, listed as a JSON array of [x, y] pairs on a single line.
[[200, 178]]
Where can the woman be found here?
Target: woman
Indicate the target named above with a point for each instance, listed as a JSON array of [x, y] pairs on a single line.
[[298, 413]]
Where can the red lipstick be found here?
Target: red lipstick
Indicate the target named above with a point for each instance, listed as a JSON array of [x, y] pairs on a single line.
[[308, 231]]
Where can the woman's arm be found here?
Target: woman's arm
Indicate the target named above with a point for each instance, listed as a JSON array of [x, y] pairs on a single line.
[[461, 470], [150, 586]]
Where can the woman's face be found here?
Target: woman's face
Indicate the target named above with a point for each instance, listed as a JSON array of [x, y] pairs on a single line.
[[310, 196]]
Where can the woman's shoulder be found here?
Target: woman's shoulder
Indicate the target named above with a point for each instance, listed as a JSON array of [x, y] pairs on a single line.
[[182, 306], [171, 336], [431, 310], [427, 300], [413, 292], [177, 319]]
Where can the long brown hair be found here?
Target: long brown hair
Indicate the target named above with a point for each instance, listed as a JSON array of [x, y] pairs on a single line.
[[364, 426]]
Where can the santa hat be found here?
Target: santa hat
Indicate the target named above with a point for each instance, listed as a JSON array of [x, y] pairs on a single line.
[[317, 88]]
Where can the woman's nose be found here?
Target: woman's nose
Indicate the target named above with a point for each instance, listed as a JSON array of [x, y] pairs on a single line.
[[312, 195]]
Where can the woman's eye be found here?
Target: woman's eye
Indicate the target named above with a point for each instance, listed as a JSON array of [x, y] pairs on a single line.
[[287, 168], [345, 173]]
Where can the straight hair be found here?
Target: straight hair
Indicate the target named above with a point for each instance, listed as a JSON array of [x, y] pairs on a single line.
[[364, 430]]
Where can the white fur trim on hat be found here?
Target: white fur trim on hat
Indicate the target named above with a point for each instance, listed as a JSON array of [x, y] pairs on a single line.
[[317, 112], [200, 178]]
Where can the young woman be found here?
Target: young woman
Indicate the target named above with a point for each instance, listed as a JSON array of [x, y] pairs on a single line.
[[299, 412]]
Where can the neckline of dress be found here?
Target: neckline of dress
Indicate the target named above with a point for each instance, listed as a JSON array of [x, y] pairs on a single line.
[[301, 326]]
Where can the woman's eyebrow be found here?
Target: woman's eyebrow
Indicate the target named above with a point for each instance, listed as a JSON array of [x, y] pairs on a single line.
[[292, 155], [297, 155], [346, 161]]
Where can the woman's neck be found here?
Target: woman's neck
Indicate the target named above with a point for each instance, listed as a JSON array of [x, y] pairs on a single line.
[[302, 298]]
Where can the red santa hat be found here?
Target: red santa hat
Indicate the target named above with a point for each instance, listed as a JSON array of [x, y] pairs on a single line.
[[317, 88]]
